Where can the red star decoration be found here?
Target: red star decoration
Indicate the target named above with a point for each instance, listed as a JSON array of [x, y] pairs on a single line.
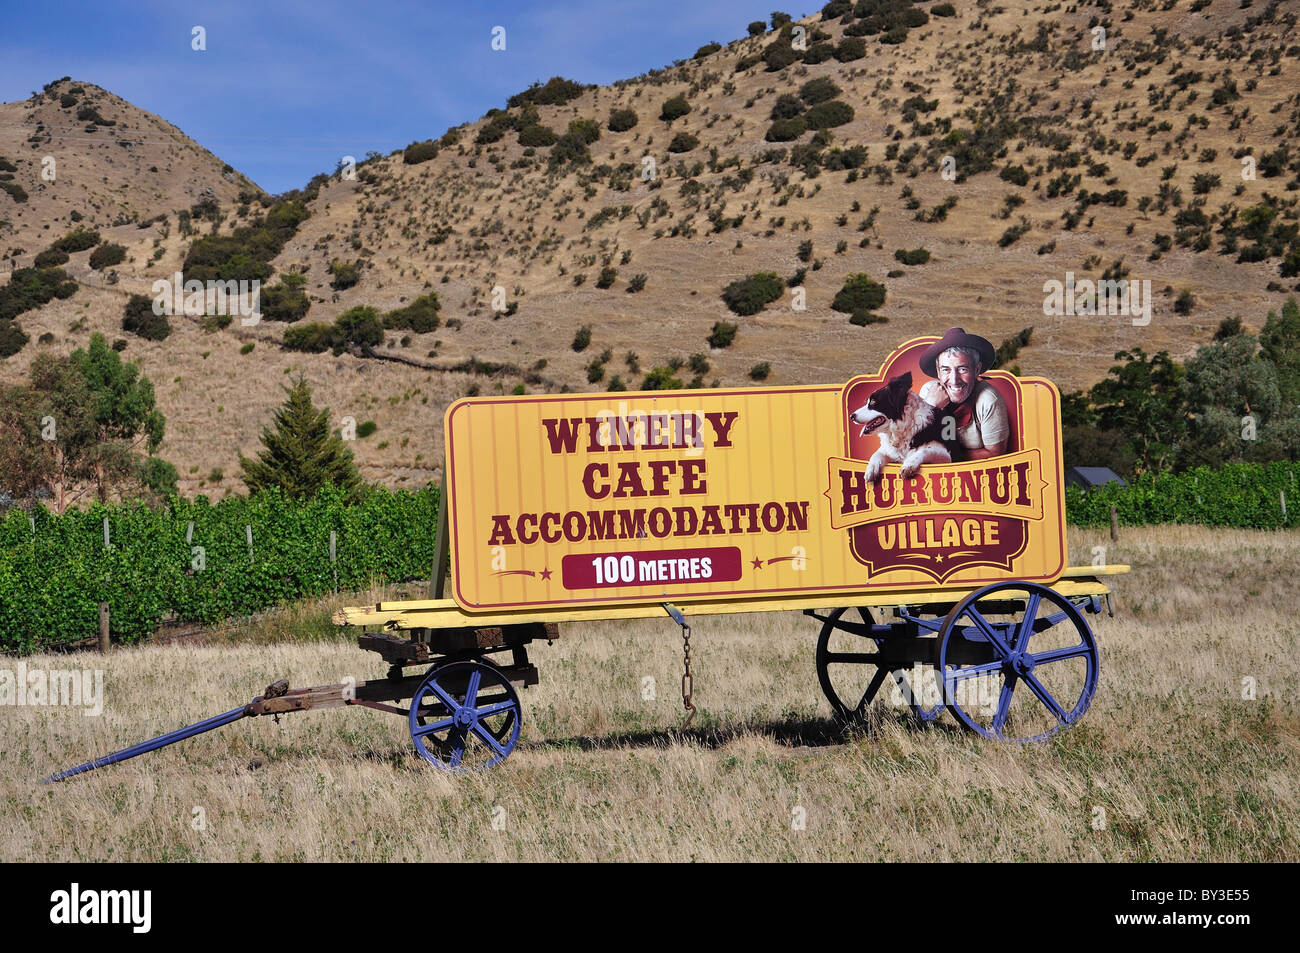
[[758, 564], [546, 574]]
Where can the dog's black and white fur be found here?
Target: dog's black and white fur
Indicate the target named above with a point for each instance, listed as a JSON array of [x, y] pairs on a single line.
[[909, 429]]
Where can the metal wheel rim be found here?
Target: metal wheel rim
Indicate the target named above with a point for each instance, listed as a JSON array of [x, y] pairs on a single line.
[[1087, 649], [465, 724]]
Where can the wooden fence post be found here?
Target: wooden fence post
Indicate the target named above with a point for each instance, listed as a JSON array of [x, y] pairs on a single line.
[[103, 626], [1114, 525], [438, 574], [334, 564]]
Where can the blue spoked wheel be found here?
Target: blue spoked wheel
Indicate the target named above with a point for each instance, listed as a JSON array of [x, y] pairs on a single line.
[[850, 672], [1018, 661], [465, 714]]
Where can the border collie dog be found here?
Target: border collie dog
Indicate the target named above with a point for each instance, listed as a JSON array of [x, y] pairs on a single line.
[[909, 429]]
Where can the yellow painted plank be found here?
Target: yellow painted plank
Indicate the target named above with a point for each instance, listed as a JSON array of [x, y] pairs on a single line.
[[445, 613]]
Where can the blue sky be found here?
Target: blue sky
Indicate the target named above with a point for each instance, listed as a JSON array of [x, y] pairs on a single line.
[[286, 88]]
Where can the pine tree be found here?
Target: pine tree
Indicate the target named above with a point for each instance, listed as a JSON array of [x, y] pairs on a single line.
[[301, 454]]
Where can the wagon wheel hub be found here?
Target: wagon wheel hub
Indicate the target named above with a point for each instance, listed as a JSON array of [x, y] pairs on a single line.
[[1018, 663], [465, 717]]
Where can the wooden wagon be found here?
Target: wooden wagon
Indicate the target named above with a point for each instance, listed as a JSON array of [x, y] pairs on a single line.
[[945, 582]]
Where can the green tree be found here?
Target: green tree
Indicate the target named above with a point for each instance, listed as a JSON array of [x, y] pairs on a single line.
[[300, 454], [1280, 343], [1237, 411], [1141, 398], [85, 422]]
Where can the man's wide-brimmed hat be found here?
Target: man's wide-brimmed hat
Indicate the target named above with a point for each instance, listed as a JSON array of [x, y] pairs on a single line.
[[956, 337]]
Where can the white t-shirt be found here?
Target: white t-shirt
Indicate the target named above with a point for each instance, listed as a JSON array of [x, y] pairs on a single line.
[[989, 424]]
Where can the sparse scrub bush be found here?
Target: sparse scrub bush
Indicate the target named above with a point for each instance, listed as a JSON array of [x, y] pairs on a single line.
[[674, 108], [723, 333], [859, 293], [750, 295], [106, 255], [621, 120], [139, 319], [827, 115]]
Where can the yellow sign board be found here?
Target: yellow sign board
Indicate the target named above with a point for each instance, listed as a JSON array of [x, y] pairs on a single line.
[[877, 484]]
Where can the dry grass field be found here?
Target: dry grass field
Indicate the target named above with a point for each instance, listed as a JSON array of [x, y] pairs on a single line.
[[1170, 763]]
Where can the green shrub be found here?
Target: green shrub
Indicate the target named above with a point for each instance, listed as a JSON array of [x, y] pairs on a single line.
[[1013, 234], [760, 372], [67, 101], [862, 318], [88, 113], [588, 130], [312, 338], [246, 349], [420, 316], [757, 28], [683, 142], [828, 114], [859, 293], [661, 378], [674, 108], [819, 53], [139, 319], [636, 284], [245, 254], [537, 135], [785, 130], [779, 54], [621, 120], [706, 50], [582, 338], [106, 255], [12, 338], [418, 152], [851, 48], [77, 240], [344, 274], [723, 333], [286, 301], [787, 106], [894, 35], [50, 258], [1015, 174], [607, 276], [569, 149], [917, 256], [751, 294], [16, 191], [943, 10], [366, 428], [359, 326], [556, 92], [29, 288], [818, 90]]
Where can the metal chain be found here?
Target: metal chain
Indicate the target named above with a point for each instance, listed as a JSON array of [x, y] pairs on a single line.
[[688, 682]]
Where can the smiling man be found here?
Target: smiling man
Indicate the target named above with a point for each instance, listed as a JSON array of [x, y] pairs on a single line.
[[957, 360]]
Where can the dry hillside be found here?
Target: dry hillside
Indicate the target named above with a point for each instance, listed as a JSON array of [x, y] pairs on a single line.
[[1066, 157]]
